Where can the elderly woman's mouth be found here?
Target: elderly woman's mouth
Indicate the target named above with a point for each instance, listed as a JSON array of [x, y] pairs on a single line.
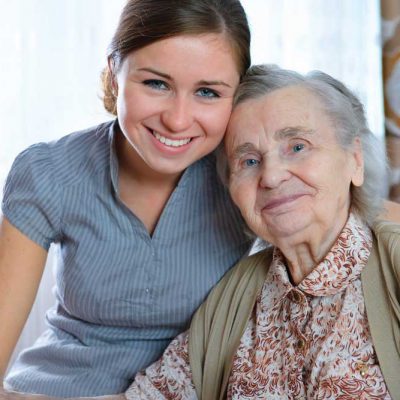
[[278, 203]]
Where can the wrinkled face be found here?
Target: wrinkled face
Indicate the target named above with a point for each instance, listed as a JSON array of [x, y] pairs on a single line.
[[289, 175], [175, 99]]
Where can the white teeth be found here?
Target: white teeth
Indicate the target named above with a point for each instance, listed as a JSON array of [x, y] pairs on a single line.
[[170, 142]]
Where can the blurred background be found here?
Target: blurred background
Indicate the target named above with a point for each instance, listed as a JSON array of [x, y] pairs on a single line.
[[52, 53]]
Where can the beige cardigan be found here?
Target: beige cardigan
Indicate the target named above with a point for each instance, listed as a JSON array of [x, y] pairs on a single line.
[[219, 324]]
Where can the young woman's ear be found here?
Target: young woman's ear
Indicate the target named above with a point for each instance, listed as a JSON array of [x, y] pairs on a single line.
[[113, 76]]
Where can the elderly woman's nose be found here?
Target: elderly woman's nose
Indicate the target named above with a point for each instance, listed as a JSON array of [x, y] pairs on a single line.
[[178, 114], [273, 173]]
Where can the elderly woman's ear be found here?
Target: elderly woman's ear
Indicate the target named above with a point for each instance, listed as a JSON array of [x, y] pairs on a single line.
[[358, 173]]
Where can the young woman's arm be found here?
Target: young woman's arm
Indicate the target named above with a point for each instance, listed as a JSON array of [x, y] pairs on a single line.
[[168, 378], [6, 395], [392, 212], [21, 266]]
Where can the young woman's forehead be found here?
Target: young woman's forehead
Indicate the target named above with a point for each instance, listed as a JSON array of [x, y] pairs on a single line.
[[206, 57]]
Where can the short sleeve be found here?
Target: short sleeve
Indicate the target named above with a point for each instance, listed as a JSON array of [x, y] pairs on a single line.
[[31, 198]]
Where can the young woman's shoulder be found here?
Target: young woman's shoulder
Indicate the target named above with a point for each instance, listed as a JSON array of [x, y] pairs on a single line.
[[34, 192], [81, 154], [68, 158]]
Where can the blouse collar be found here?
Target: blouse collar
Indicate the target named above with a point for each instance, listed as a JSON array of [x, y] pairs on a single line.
[[342, 265]]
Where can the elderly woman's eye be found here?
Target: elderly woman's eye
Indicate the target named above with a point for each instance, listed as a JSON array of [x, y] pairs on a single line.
[[298, 147], [251, 162]]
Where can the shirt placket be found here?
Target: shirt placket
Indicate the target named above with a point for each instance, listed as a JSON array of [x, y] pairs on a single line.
[[299, 313]]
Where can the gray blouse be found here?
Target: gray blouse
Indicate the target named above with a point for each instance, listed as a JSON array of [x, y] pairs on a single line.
[[121, 294]]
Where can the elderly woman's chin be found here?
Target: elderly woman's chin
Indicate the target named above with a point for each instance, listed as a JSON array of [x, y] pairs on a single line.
[[305, 218]]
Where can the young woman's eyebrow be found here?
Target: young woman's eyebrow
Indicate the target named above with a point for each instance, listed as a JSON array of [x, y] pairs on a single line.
[[214, 83], [155, 72], [168, 77]]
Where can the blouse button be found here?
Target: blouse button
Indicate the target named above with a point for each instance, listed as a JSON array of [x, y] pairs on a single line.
[[362, 368], [296, 297], [301, 344]]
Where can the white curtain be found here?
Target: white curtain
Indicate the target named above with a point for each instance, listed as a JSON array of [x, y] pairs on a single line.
[[340, 37], [52, 52], [51, 55]]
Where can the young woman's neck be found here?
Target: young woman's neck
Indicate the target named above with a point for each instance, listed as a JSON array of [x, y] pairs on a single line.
[[144, 191]]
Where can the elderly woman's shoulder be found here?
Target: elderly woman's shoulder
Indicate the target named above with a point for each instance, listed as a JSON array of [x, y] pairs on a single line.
[[382, 227], [387, 241], [255, 264]]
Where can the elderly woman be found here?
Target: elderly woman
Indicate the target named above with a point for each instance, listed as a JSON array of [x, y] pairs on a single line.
[[316, 315]]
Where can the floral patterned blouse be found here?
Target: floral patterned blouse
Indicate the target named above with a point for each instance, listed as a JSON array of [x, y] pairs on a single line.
[[310, 341]]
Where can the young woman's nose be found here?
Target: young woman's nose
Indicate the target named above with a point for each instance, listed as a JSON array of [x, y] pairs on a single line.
[[274, 171], [178, 114]]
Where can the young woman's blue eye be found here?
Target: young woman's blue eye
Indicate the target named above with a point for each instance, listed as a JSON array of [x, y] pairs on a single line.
[[206, 92], [251, 162], [156, 84], [298, 147]]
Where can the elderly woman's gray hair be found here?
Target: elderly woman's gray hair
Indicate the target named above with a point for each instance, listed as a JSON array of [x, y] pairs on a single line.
[[347, 116]]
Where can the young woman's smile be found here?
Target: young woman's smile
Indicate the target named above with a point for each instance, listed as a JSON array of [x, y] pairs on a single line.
[[174, 101]]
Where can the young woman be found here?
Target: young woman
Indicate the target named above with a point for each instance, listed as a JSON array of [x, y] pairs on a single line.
[[144, 227]]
